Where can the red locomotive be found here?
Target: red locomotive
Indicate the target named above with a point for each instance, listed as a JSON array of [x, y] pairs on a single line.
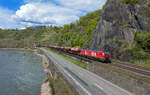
[[98, 55], [91, 54]]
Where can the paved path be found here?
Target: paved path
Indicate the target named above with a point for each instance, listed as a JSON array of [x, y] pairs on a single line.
[[86, 82]]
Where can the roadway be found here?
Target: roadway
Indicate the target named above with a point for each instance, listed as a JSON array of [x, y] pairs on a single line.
[[84, 81]]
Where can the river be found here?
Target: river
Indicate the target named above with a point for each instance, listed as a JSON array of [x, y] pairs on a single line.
[[21, 73]]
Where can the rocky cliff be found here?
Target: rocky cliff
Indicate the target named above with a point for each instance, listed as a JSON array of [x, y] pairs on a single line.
[[118, 24]]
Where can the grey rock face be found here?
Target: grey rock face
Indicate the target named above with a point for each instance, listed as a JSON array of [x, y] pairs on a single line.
[[118, 22]]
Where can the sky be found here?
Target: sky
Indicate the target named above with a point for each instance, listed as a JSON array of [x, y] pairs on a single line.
[[25, 13]]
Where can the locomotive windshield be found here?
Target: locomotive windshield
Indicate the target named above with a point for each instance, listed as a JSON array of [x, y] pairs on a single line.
[[106, 53]]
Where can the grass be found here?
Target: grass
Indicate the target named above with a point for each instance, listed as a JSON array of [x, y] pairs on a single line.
[[125, 26], [58, 86], [51, 84], [122, 72], [81, 64], [149, 4], [144, 65]]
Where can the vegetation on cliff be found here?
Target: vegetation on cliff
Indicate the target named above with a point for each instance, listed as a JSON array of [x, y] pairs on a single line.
[[123, 29], [79, 34], [131, 1]]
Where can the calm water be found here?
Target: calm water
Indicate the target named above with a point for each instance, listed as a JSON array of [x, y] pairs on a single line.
[[21, 73]]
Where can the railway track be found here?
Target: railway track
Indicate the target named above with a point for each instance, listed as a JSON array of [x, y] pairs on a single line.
[[140, 71]]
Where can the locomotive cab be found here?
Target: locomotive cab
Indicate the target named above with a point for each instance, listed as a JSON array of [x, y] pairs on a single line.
[[101, 52]]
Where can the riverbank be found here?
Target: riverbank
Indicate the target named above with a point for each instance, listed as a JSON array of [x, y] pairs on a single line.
[[57, 82], [45, 88], [28, 49]]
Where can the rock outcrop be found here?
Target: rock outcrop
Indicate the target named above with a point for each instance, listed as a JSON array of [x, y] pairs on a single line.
[[117, 25]]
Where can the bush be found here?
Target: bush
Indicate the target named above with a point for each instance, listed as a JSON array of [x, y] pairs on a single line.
[[131, 1], [79, 33], [138, 53], [149, 4], [147, 11], [125, 26], [107, 1], [148, 29], [140, 48], [143, 40]]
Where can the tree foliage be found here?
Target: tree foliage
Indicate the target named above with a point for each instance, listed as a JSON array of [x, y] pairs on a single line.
[[143, 40], [131, 1], [79, 33], [28, 37]]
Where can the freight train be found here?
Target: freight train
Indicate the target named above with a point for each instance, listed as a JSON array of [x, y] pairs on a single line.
[[98, 55]]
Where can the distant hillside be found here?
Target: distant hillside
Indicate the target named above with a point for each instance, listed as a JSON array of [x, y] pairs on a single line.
[[124, 29], [29, 37], [76, 34]]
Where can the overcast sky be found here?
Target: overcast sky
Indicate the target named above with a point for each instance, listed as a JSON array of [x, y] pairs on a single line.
[[24, 13]]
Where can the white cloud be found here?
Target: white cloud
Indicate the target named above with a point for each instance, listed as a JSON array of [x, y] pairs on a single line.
[[47, 12], [5, 19], [85, 5]]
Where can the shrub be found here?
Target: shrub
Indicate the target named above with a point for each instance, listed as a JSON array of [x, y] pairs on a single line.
[[143, 40], [80, 32], [149, 4], [125, 26], [148, 29], [131, 1], [147, 11], [138, 54], [107, 1]]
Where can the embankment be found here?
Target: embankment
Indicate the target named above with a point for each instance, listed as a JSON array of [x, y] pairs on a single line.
[[55, 83], [45, 88], [122, 79]]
